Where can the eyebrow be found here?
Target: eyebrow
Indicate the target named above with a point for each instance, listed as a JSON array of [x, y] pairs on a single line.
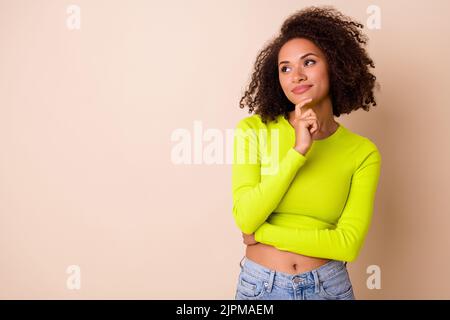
[[304, 56]]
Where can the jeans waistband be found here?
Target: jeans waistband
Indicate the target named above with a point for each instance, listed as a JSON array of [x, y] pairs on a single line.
[[286, 280]]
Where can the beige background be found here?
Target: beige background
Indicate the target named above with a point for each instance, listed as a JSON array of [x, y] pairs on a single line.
[[86, 118]]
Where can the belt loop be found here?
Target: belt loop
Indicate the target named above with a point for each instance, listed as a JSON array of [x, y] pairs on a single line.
[[240, 262], [271, 280], [316, 281]]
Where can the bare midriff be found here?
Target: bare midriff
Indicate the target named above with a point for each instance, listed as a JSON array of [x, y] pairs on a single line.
[[282, 261]]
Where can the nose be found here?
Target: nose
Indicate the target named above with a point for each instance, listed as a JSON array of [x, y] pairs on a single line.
[[299, 75]]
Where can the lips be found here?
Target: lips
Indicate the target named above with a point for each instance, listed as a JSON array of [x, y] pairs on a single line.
[[301, 89]]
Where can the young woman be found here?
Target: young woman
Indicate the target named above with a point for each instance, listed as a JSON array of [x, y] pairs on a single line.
[[303, 184]]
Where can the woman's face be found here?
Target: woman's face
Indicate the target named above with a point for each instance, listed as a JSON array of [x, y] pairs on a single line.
[[302, 63]]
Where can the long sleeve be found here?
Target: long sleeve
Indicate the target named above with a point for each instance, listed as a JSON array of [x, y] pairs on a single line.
[[346, 239], [254, 198]]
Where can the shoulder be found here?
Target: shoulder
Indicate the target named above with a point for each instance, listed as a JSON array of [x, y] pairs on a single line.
[[250, 122], [364, 148], [362, 143], [250, 126], [255, 122], [368, 153], [366, 144]]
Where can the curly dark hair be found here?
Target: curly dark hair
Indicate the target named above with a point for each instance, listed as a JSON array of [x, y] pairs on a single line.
[[339, 37]]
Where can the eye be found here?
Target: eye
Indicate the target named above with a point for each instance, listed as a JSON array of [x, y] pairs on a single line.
[[283, 68], [310, 60]]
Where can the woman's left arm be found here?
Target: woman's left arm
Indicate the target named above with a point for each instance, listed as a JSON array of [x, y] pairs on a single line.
[[345, 241]]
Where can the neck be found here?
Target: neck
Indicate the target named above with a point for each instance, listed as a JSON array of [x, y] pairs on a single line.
[[325, 118]]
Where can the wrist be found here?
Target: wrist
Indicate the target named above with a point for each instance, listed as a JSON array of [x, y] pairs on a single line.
[[300, 150]]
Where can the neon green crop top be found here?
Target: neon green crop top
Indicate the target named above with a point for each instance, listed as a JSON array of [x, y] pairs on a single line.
[[319, 204]]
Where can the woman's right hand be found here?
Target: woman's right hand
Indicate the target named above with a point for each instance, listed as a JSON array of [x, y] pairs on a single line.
[[249, 239], [305, 124]]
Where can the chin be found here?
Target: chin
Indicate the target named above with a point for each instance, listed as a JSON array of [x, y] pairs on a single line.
[[300, 99]]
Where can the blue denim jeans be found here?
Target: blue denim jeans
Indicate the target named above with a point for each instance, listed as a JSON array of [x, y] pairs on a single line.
[[330, 281]]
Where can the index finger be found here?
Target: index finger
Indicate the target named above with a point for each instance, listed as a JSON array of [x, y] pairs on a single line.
[[298, 107]]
